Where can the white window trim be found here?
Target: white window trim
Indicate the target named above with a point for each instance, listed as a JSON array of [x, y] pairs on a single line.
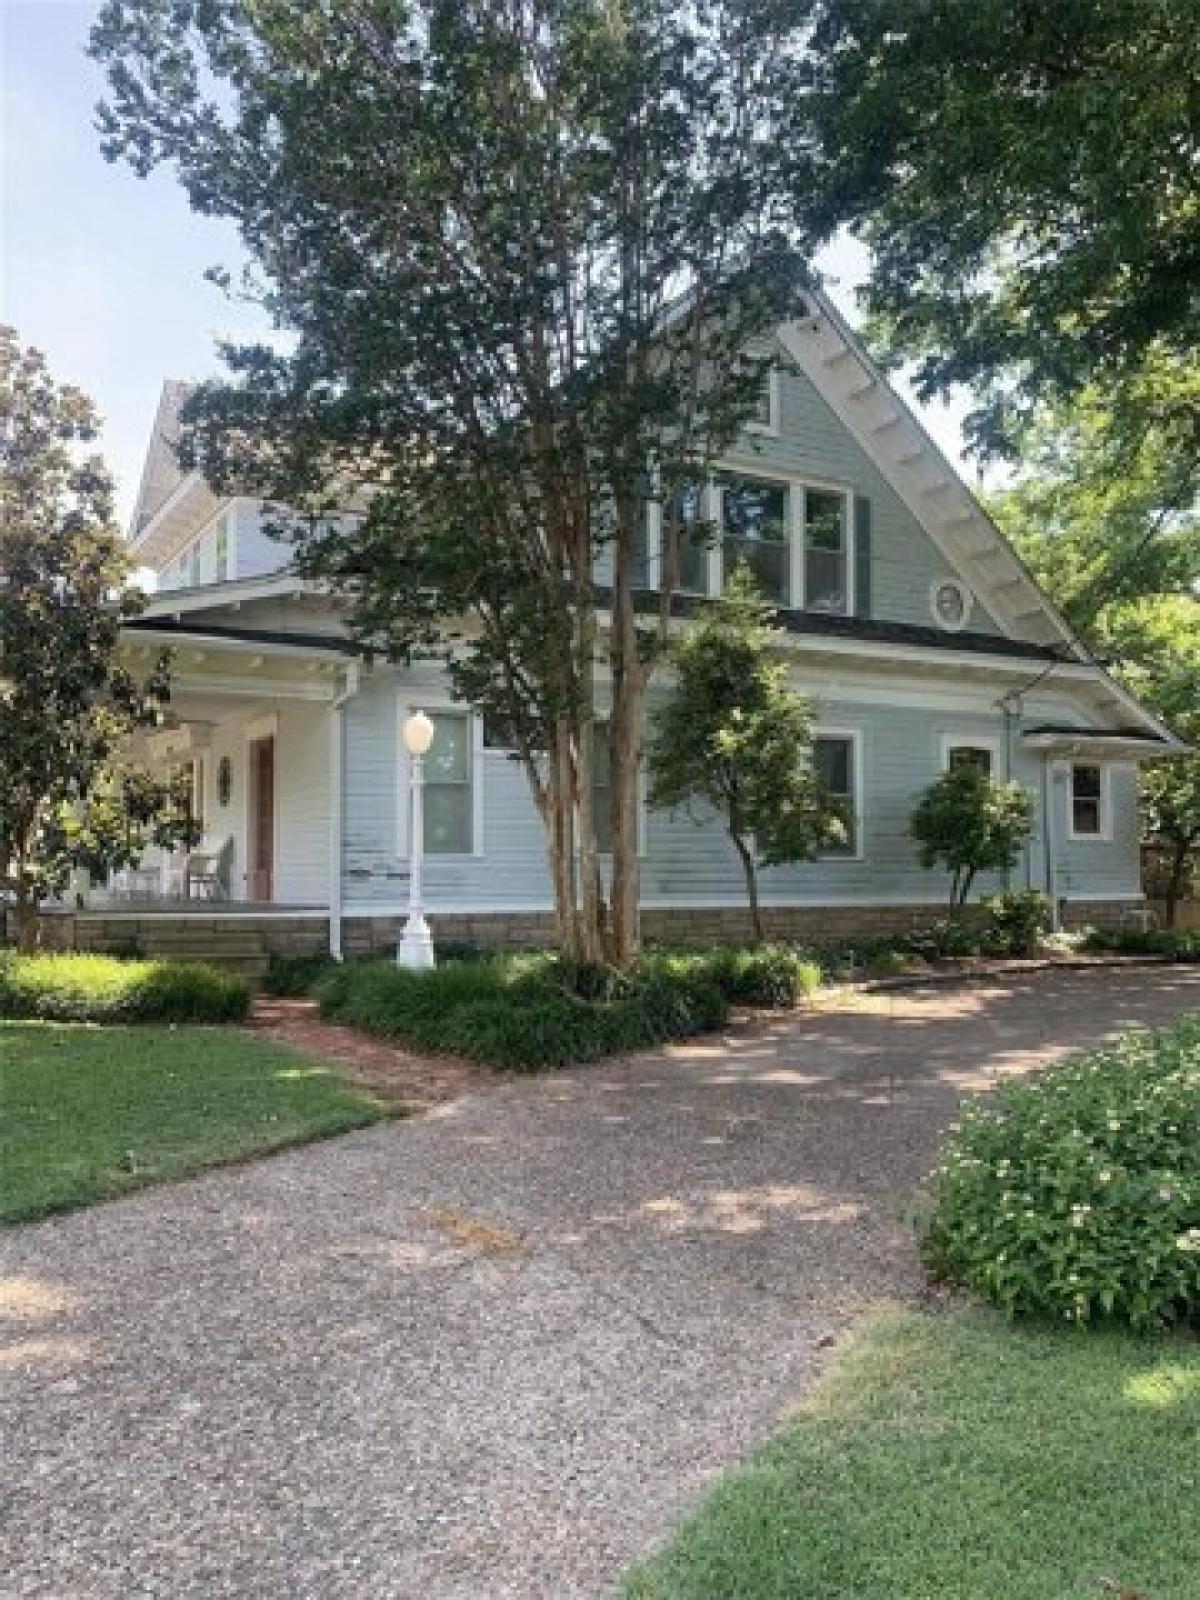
[[714, 513], [770, 428], [855, 735], [975, 741], [1105, 835], [433, 703]]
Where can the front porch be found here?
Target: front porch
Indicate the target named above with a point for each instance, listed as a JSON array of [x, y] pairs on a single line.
[[255, 727]]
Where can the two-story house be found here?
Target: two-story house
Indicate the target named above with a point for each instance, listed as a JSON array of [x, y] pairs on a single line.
[[911, 623]]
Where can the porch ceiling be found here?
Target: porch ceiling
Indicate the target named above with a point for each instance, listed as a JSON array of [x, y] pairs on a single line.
[[230, 669]]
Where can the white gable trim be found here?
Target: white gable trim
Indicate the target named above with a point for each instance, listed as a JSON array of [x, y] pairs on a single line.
[[232, 593], [828, 353]]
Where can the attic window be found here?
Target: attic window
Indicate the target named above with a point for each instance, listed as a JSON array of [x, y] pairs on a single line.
[[950, 602]]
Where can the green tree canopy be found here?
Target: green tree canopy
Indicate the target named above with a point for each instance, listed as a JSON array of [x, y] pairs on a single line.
[[736, 738], [1028, 178], [67, 706]]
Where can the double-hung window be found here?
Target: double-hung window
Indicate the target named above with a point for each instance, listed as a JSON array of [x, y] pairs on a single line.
[[755, 526], [1089, 818], [826, 552], [979, 756], [684, 537], [449, 805], [833, 761]]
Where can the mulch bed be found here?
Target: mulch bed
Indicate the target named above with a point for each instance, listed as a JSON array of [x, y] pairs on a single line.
[[412, 1083]]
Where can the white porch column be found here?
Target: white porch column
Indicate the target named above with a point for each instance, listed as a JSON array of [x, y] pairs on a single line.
[[337, 804]]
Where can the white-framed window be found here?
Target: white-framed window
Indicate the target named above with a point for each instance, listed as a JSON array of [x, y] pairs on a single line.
[[194, 565], [766, 411], [197, 792], [755, 529], [1091, 800], [685, 518], [796, 537], [837, 763], [453, 787], [827, 558], [971, 750]]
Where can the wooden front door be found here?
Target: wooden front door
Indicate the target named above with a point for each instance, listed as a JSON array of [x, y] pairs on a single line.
[[262, 819]]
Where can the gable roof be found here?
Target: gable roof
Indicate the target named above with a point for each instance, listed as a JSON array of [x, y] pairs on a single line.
[[161, 474], [831, 356]]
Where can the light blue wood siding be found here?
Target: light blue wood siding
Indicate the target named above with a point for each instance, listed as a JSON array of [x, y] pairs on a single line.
[[813, 444], [255, 552], [688, 861]]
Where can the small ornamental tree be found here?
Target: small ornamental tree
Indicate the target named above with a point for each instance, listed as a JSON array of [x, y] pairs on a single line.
[[733, 735], [67, 706], [968, 824]]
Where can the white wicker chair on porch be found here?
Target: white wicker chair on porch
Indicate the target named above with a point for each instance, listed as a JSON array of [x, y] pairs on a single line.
[[206, 870]]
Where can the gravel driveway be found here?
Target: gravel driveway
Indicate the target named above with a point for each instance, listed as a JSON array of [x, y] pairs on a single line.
[[491, 1353]]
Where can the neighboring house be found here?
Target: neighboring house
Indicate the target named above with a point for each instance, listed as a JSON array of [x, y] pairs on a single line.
[[918, 633]]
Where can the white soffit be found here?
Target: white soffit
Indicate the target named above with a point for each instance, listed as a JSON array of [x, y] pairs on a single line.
[[826, 350]]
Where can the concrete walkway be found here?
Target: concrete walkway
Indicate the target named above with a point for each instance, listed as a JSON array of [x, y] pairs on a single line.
[[492, 1353]]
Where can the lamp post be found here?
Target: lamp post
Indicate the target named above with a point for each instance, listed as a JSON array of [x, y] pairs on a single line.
[[416, 943]]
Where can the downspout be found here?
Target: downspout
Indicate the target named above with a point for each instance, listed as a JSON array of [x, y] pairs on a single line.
[[337, 764], [1051, 843]]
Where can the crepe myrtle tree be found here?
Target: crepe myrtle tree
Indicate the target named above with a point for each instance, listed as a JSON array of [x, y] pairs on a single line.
[[967, 823], [735, 738], [523, 250], [67, 705]]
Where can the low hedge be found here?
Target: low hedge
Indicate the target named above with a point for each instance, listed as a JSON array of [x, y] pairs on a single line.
[[1170, 943], [526, 1012], [1076, 1193], [96, 988]]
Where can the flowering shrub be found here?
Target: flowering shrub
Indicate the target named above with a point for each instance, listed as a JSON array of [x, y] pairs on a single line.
[[1077, 1192], [1016, 921]]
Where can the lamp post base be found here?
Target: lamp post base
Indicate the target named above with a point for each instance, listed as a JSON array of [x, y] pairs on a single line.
[[415, 949]]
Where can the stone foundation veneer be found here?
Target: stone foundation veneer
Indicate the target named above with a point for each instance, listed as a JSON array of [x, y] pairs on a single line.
[[190, 934]]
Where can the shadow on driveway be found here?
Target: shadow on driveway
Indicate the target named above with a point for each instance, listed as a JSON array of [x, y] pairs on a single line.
[[491, 1353]]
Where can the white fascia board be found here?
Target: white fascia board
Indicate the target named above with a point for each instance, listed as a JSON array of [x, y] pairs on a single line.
[[218, 644], [1089, 741], [230, 592], [178, 497]]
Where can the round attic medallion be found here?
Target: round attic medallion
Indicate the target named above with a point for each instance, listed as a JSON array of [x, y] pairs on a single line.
[[950, 601]]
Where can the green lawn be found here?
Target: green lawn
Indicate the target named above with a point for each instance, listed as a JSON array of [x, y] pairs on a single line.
[[91, 1112], [958, 1458]]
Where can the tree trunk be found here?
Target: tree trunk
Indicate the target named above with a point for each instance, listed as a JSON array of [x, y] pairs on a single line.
[[628, 679], [751, 873]]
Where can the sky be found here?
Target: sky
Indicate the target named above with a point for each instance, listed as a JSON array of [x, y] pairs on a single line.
[[104, 271]]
